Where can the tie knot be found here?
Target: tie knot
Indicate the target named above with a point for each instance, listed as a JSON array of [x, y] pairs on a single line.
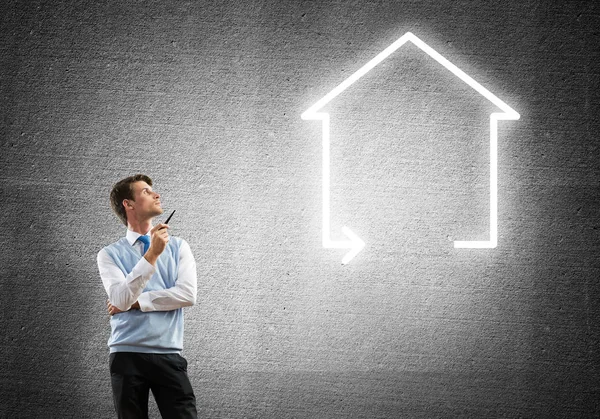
[[146, 241]]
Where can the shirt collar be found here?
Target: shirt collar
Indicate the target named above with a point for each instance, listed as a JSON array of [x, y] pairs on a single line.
[[132, 236]]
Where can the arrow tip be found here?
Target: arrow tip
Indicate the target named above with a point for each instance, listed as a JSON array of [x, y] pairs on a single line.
[[356, 245]]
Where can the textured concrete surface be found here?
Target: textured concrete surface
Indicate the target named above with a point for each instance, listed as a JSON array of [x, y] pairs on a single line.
[[206, 98]]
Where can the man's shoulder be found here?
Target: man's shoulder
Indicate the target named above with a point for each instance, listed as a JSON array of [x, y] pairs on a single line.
[[113, 245], [176, 240]]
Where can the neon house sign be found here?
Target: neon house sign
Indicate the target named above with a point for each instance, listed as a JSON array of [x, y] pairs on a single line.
[[355, 244]]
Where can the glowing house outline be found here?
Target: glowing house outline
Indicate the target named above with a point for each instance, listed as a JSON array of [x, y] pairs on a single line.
[[354, 243]]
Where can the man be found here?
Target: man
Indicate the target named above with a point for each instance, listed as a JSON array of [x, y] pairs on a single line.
[[148, 284]]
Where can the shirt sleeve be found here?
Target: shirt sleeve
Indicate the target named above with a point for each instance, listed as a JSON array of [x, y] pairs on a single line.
[[123, 290], [183, 294]]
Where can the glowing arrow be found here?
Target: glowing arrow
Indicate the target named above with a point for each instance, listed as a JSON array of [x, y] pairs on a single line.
[[355, 243]]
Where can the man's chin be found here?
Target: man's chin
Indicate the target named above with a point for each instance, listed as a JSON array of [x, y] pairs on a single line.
[[157, 212]]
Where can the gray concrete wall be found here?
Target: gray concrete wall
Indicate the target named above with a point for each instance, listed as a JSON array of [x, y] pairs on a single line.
[[206, 98]]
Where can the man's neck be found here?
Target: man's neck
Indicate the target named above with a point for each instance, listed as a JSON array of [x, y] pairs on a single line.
[[141, 227]]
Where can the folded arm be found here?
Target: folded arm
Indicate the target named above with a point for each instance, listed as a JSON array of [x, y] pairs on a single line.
[[183, 294], [123, 290]]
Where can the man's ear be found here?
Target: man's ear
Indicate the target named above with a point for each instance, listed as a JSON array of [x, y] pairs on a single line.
[[127, 204]]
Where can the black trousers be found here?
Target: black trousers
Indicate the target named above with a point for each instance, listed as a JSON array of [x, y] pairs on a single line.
[[133, 374]]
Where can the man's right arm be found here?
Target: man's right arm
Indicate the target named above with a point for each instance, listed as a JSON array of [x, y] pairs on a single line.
[[123, 290]]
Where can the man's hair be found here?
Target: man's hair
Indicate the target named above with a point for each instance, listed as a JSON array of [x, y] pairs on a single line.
[[123, 190]]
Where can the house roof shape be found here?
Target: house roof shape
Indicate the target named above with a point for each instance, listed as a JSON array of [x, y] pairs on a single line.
[[353, 242], [312, 112]]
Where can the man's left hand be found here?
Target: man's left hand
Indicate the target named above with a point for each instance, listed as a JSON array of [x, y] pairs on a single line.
[[112, 310]]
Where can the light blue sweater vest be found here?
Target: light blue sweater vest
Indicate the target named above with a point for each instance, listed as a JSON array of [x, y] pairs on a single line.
[[151, 332]]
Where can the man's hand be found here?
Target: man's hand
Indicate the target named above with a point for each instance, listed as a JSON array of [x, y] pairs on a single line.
[[112, 310], [159, 237]]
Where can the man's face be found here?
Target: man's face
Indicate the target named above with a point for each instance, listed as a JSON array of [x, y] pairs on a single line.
[[146, 202]]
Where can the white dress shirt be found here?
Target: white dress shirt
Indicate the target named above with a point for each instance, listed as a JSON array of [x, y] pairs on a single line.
[[124, 290]]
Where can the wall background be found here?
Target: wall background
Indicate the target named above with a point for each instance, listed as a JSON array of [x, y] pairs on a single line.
[[206, 97]]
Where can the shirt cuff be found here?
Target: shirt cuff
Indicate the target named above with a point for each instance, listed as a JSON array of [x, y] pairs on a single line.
[[143, 268]]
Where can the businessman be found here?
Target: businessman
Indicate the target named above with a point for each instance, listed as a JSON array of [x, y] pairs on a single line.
[[149, 277]]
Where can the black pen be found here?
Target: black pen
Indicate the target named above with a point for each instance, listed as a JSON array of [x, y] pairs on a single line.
[[167, 222]]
